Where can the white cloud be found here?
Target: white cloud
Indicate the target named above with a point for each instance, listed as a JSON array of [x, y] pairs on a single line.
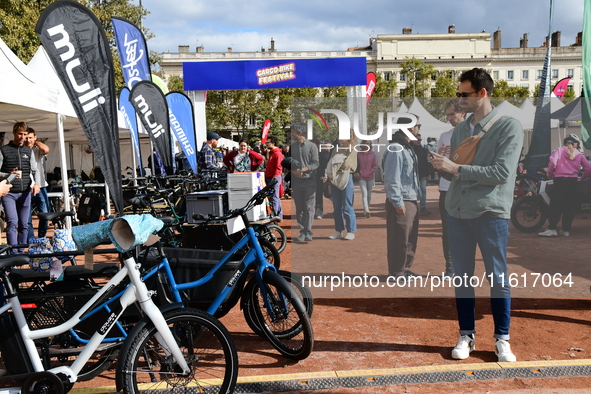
[[337, 25]]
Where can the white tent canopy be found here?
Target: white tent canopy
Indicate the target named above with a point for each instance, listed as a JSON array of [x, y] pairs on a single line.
[[23, 97], [526, 119], [430, 125]]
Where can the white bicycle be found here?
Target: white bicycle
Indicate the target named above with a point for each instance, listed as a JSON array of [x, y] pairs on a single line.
[[169, 348]]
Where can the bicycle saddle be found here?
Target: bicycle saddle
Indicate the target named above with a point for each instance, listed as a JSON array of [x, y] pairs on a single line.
[[54, 215]]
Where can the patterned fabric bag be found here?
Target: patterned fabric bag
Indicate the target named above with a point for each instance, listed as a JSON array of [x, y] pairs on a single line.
[[63, 242], [40, 246]]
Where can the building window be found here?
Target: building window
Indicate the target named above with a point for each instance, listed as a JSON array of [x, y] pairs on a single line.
[[510, 75], [525, 74], [495, 75], [252, 120], [539, 74], [387, 76], [402, 77], [570, 72], [525, 85], [555, 73]]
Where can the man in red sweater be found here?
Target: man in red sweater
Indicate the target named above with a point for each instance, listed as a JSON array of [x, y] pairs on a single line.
[[274, 170]]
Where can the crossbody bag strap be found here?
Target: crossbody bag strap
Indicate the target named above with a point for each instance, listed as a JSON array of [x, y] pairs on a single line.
[[489, 124]]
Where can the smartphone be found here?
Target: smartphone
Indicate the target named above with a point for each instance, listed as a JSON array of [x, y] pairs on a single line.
[[11, 178]]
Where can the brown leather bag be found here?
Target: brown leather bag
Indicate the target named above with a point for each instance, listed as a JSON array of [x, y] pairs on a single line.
[[465, 152]]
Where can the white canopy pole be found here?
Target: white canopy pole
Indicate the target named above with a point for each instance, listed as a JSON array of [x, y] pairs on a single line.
[[65, 185]]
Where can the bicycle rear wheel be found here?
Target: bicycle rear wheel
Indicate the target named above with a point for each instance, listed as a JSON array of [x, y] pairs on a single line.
[[249, 294], [206, 344], [529, 213], [282, 316], [274, 234]]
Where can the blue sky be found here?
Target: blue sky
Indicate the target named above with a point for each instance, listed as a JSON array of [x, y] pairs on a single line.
[[337, 25]]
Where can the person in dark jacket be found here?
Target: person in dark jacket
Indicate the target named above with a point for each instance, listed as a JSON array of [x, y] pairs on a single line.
[[17, 158], [323, 158]]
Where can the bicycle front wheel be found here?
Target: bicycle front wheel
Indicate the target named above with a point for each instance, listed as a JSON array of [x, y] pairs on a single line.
[[282, 316], [208, 349]]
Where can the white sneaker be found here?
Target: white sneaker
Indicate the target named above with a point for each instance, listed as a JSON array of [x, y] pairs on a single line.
[[464, 347], [349, 236], [564, 233], [548, 233], [503, 352], [337, 235]]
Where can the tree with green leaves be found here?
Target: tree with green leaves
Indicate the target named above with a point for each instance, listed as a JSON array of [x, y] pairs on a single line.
[[445, 86], [18, 20], [384, 88], [514, 94], [418, 77], [176, 84]]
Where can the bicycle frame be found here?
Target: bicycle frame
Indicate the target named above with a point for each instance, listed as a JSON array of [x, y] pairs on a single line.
[[135, 291], [255, 256]]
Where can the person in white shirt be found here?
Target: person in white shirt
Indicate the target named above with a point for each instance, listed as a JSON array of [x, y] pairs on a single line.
[[455, 114]]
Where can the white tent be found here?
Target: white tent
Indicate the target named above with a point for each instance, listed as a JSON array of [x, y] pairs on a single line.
[[23, 97], [430, 125], [526, 119], [227, 143]]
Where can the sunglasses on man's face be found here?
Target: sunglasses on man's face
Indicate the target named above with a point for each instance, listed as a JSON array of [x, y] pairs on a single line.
[[464, 94]]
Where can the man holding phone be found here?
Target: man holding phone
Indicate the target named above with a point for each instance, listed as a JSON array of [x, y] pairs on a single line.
[[17, 158]]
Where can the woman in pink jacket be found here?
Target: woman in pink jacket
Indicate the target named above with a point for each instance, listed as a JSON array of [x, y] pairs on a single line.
[[565, 164]]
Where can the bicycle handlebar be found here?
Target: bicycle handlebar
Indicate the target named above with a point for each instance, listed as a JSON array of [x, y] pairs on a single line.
[[257, 199]]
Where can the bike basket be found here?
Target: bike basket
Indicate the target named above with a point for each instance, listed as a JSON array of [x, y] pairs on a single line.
[[55, 304], [189, 265]]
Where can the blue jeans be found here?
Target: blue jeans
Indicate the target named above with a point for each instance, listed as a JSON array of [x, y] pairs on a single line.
[[423, 185], [304, 197], [342, 201], [42, 202], [17, 207], [275, 199], [491, 234], [366, 187]]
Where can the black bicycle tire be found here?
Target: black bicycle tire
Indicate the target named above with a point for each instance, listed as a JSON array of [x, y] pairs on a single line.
[[284, 342], [281, 240], [184, 316], [532, 206], [248, 309]]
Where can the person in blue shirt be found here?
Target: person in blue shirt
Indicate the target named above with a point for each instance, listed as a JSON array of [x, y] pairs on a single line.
[[208, 159]]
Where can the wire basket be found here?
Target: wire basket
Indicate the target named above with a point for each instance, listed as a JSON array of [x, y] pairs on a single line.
[[53, 306]]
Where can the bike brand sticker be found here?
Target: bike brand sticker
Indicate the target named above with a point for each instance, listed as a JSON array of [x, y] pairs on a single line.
[[234, 278], [110, 321]]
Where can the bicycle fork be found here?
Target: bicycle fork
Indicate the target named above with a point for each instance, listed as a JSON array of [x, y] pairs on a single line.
[[144, 297]]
